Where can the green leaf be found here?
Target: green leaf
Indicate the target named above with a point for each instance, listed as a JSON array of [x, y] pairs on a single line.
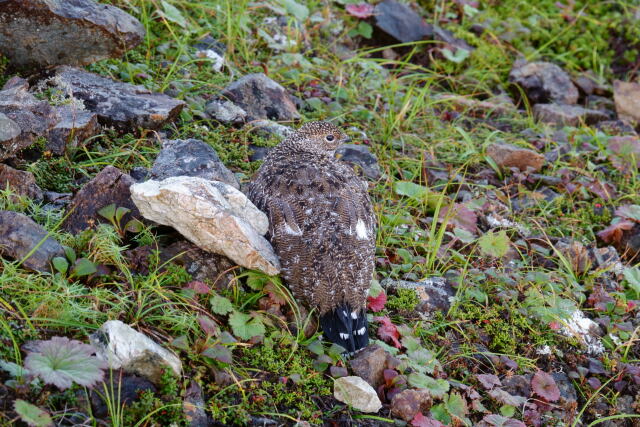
[[495, 245], [108, 212], [633, 278], [375, 289], [13, 369], [410, 343], [220, 353], [172, 14], [437, 388], [316, 347], [245, 326], [456, 406], [62, 362], [120, 212], [300, 11], [83, 267], [336, 351], [458, 57], [134, 226], [256, 281], [220, 305], [440, 413], [70, 254], [365, 29], [410, 189], [60, 264], [31, 414], [423, 360]]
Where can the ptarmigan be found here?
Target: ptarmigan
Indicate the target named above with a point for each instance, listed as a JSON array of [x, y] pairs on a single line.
[[322, 227]]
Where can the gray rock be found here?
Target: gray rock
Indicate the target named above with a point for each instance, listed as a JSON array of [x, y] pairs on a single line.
[[544, 82], [268, 128], [258, 153], [511, 156], [567, 115], [262, 98], [201, 265], [122, 347], [43, 33], [23, 117], [401, 23], [360, 156], [369, 364], [191, 157], [627, 98], [213, 215], [19, 235], [568, 394], [225, 111], [128, 388], [75, 127], [22, 183], [121, 105], [434, 293], [111, 185], [356, 392], [193, 406]]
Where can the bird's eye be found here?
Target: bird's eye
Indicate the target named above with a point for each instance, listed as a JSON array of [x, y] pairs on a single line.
[[329, 138]]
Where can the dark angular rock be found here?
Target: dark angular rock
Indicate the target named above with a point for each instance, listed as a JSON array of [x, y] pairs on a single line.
[[109, 186], [369, 364], [19, 235], [20, 182], [201, 265], [127, 387], [262, 98], [568, 394], [193, 406], [360, 156], [544, 82], [258, 153], [75, 126], [121, 105], [23, 118], [567, 115], [139, 173], [518, 385], [191, 157], [401, 23], [43, 33]]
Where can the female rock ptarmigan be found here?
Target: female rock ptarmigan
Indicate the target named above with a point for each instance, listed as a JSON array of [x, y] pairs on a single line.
[[322, 227]]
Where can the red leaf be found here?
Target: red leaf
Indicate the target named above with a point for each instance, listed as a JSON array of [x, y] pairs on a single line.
[[614, 232], [545, 386], [362, 10], [377, 303], [208, 325], [631, 212], [606, 191], [421, 421], [488, 381], [198, 287], [461, 217], [388, 331]]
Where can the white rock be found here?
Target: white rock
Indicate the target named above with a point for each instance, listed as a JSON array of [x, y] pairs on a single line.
[[225, 111], [211, 214], [358, 393], [585, 329], [121, 346]]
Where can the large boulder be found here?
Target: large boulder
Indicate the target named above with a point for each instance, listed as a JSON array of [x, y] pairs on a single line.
[[43, 33], [121, 105], [213, 215]]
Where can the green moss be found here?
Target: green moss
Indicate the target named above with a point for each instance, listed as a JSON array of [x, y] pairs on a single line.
[[405, 300], [286, 383]]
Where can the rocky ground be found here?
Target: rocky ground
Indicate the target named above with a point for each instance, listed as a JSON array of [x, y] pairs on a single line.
[[499, 143]]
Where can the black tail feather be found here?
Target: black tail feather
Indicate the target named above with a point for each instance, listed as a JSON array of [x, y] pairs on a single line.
[[346, 328]]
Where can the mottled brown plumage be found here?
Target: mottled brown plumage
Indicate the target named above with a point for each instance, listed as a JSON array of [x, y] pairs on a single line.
[[322, 227]]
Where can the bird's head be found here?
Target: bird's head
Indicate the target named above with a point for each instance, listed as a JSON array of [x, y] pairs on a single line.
[[320, 137]]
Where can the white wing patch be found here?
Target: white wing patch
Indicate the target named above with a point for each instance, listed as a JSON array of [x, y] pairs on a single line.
[[361, 230], [291, 231]]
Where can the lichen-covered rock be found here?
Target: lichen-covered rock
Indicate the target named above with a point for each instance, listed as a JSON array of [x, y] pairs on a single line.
[[213, 215], [511, 156], [43, 33], [122, 347], [225, 111], [23, 117], [22, 183], [262, 98], [544, 82], [191, 157], [356, 392], [121, 105], [19, 236], [111, 185], [434, 293]]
